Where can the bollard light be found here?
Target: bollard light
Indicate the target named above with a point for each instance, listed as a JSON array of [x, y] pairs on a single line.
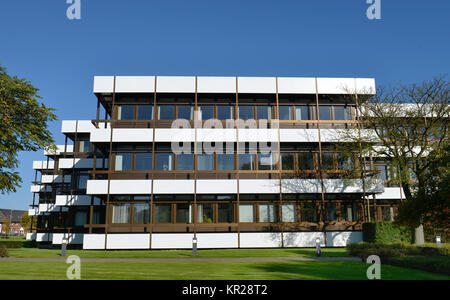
[[194, 246], [438, 241], [64, 247], [318, 247]]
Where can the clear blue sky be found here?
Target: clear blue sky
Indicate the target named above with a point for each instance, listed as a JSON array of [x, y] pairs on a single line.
[[323, 38]]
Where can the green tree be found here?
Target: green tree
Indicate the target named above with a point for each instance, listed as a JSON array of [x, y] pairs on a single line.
[[26, 221], [23, 126], [7, 225]]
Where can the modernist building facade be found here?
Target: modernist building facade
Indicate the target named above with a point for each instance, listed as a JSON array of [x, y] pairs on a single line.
[[249, 162]]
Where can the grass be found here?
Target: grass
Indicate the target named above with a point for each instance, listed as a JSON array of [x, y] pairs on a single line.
[[293, 252], [296, 270]]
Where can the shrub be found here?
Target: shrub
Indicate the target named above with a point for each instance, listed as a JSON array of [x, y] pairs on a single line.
[[437, 264], [382, 232], [11, 244], [384, 251], [3, 251]]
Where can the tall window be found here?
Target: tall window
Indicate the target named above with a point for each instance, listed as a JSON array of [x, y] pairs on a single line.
[[265, 161], [302, 112], [341, 112], [124, 161], [80, 218], [225, 161], [348, 212], [125, 112], [246, 161], [141, 213], [225, 112], [287, 161], [264, 112], [184, 213], [205, 213], [207, 112], [288, 213], [82, 180], [85, 146], [327, 161], [164, 161], [285, 112], [266, 212], [245, 112], [246, 213], [330, 210], [308, 212], [166, 112], [186, 112], [205, 162], [305, 161], [145, 112], [121, 213], [226, 213], [185, 162], [144, 161], [163, 213], [325, 112]]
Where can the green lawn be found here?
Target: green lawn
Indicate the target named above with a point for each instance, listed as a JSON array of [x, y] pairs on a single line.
[[207, 270], [294, 252]]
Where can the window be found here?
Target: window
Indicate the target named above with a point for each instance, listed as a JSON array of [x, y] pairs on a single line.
[[330, 210], [121, 213], [123, 161], [164, 161], [325, 112], [166, 112], [96, 217], [163, 213], [382, 174], [305, 161], [327, 161], [185, 112], [348, 212], [205, 162], [184, 213], [246, 161], [145, 112], [245, 112], [82, 180], [80, 218], [125, 112], [264, 112], [387, 213], [246, 213], [185, 162], [287, 161], [225, 112], [226, 214], [141, 213], [288, 212], [205, 213], [285, 112], [308, 212], [225, 161], [144, 161], [207, 112], [302, 113], [341, 112], [85, 146], [265, 161], [266, 212], [344, 163]]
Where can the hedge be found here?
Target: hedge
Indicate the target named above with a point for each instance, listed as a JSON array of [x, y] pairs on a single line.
[[385, 251], [383, 232], [435, 264], [3, 251], [11, 244]]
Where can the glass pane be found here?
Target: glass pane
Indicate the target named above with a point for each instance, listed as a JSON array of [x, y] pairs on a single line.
[[246, 161], [184, 213], [185, 162], [265, 161], [164, 161], [306, 160], [163, 213], [141, 213], [246, 213], [205, 213], [330, 209], [226, 214], [123, 161], [145, 112], [225, 112], [382, 174], [266, 212], [387, 213], [341, 113], [185, 112], [344, 163], [144, 161], [166, 112], [121, 213], [225, 161], [205, 162], [288, 213], [85, 146], [347, 212], [82, 181], [245, 112], [302, 113], [125, 112], [264, 112], [80, 218], [308, 212], [207, 112], [287, 161], [327, 161], [285, 112], [325, 112]]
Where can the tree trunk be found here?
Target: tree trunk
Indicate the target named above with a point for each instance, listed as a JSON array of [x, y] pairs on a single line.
[[419, 236]]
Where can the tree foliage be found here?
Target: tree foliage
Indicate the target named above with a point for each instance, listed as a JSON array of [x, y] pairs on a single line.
[[23, 126], [26, 221]]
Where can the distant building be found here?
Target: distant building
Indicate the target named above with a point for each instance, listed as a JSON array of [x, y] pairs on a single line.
[[15, 216]]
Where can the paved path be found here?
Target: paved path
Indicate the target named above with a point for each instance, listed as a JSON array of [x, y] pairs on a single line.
[[189, 259]]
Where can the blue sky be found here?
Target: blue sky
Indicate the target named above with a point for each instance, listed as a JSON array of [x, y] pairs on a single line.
[[323, 38]]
